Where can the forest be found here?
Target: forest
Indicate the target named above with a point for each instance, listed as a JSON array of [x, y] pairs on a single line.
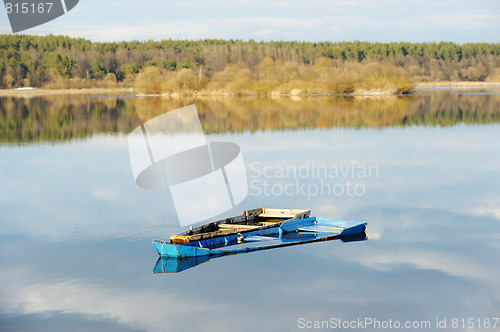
[[236, 67]]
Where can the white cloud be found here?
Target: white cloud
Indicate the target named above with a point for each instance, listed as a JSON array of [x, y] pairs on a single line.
[[137, 309], [106, 194], [453, 264]]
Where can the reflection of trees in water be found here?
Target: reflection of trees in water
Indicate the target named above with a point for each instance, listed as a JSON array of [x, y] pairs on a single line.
[[51, 118]]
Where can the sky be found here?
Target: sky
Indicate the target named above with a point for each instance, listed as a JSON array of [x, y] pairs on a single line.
[[459, 21]]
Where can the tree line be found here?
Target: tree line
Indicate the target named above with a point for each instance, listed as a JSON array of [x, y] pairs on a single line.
[[240, 67]]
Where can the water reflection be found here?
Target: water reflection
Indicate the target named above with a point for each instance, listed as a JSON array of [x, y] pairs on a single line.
[[53, 118], [75, 230]]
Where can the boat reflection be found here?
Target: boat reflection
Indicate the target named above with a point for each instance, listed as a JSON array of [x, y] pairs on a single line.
[[174, 265]]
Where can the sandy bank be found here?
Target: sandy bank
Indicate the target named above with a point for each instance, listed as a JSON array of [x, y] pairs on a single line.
[[41, 92]]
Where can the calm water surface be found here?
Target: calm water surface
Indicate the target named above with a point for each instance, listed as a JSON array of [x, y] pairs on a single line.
[[424, 172]]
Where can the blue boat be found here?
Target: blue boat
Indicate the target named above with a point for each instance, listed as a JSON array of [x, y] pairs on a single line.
[[165, 264], [254, 230]]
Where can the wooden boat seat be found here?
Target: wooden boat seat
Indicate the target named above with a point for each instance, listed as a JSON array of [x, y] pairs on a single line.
[[223, 230], [276, 215], [265, 223], [179, 239], [236, 226], [256, 219]]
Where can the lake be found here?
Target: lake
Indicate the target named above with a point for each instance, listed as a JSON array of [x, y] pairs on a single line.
[[423, 170]]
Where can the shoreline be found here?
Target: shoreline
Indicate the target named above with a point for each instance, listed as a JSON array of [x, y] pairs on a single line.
[[22, 92], [456, 84], [43, 92]]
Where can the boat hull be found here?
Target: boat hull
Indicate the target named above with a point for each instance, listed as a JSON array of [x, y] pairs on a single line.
[[167, 265], [311, 230]]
